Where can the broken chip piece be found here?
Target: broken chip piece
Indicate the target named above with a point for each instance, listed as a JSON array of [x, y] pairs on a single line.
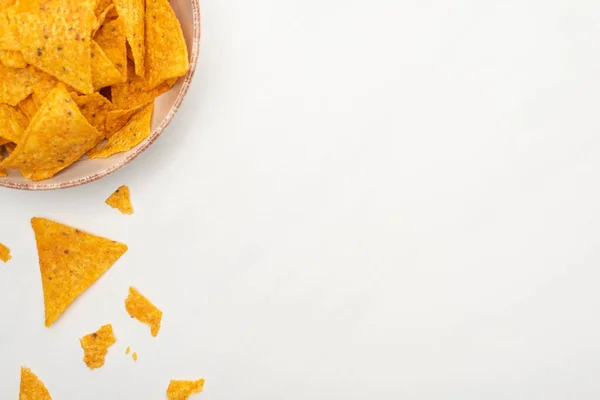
[[134, 356], [143, 310], [127, 350], [121, 200], [95, 346], [4, 253], [181, 390], [70, 261], [32, 388]]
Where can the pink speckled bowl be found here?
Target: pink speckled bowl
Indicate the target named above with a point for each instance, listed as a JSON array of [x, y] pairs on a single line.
[[85, 170]]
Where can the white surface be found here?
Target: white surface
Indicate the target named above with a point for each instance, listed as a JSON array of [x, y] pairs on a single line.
[[357, 200]]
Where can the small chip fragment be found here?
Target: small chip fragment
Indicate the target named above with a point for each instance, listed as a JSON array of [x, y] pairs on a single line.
[[17, 84], [121, 200], [111, 38], [127, 350], [95, 346], [4, 253], [12, 123], [104, 73], [140, 308], [181, 390], [132, 12], [132, 134], [133, 93], [32, 388], [70, 261], [134, 356], [166, 50]]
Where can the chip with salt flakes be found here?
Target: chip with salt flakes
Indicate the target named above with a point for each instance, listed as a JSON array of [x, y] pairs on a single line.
[[111, 38], [70, 261], [181, 390], [17, 84], [95, 108], [32, 388], [56, 39], [132, 134], [117, 119], [143, 310], [42, 149], [133, 93], [95, 346], [4, 252], [12, 123], [166, 50], [104, 73], [12, 59], [132, 12], [121, 200]]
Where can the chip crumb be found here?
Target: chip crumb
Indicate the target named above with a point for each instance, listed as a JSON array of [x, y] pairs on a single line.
[[95, 346], [134, 356], [181, 390], [32, 388], [127, 350], [143, 310], [4, 253], [121, 200]]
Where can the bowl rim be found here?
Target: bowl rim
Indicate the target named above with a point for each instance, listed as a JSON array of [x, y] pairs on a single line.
[[194, 53]]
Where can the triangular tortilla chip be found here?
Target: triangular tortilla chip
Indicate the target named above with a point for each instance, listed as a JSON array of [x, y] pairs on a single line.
[[12, 123], [42, 149], [117, 119], [133, 93], [70, 261], [166, 50], [56, 39], [32, 388], [121, 200], [132, 12], [104, 73], [17, 84], [111, 37], [181, 390], [132, 134], [95, 108]]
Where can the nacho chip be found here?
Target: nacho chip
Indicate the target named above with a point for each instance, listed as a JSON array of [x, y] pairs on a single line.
[[17, 84], [28, 107], [70, 261], [117, 119], [4, 253], [132, 12], [133, 93], [57, 136], [43, 87], [9, 30], [95, 108], [111, 38], [95, 346], [12, 123], [56, 39], [136, 130], [121, 200], [166, 50], [140, 308], [12, 59], [101, 18], [32, 388], [181, 390], [134, 356], [104, 73]]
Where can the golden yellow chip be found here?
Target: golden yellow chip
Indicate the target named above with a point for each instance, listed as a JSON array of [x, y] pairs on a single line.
[[117, 119], [9, 31], [166, 50], [127, 350], [111, 38], [132, 134], [101, 6], [121, 200], [32, 388], [70, 261], [12, 123], [95, 108], [43, 87], [104, 73], [28, 107], [101, 18], [181, 390], [140, 308], [4, 253], [134, 356], [132, 12], [56, 39], [12, 59], [17, 84], [95, 346], [57, 136], [133, 93]]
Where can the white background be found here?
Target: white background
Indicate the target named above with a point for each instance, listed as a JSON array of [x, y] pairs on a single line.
[[357, 200]]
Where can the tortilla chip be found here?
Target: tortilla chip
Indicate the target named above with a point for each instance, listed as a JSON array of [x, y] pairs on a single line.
[[117, 119], [9, 30], [57, 136], [28, 107], [95, 346], [111, 38], [132, 12], [12, 123], [95, 108], [101, 6], [101, 18], [104, 73], [32, 388], [4, 253], [140, 308], [132, 134], [121, 200], [166, 50], [17, 84], [133, 93], [56, 39], [181, 390], [70, 261], [127, 350], [12, 59], [134, 356]]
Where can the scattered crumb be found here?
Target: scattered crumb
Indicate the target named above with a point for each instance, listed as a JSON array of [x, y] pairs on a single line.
[[140, 307], [127, 350], [134, 356], [4, 253], [95, 346], [181, 390]]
